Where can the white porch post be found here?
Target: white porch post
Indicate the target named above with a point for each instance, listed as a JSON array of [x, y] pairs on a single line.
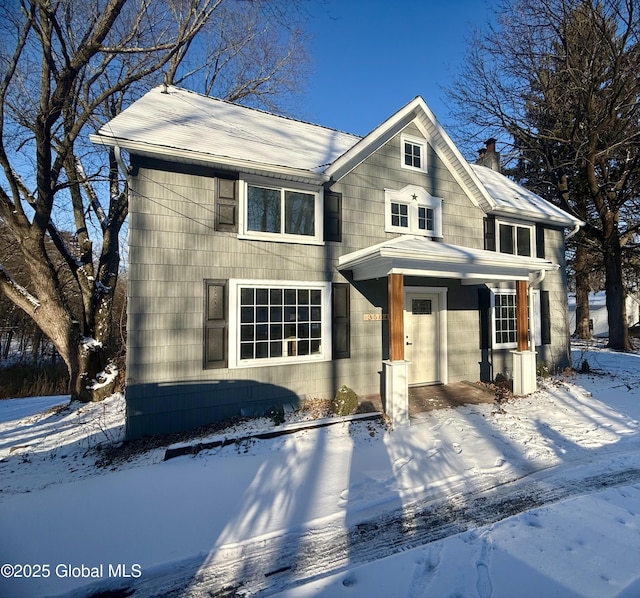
[[396, 385], [524, 357]]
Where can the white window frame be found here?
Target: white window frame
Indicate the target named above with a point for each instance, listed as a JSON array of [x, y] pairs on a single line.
[[416, 141], [535, 312], [515, 224], [281, 237], [414, 197], [234, 336]]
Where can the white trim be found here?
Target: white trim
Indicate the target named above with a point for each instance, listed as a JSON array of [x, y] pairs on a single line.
[[418, 142], [516, 224], [234, 323], [443, 365], [533, 306], [414, 197], [282, 186]]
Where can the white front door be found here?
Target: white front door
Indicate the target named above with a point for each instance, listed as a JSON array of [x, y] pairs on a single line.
[[422, 336]]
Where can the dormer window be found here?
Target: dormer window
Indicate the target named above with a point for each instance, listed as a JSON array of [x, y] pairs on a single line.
[[413, 211], [414, 155]]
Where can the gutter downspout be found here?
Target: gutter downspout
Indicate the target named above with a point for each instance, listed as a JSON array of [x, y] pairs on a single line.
[[121, 165], [538, 278], [576, 228]]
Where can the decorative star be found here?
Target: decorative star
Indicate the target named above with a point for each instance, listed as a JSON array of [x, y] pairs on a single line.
[[414, 197]]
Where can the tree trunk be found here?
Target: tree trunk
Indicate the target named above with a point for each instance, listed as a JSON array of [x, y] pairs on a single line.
[[614, 287], [582, 271]]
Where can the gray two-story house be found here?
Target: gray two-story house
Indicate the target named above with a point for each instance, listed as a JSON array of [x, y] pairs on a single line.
[[272, 260]]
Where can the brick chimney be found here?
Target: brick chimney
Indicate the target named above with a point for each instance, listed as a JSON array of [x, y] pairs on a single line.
[[488, 156]]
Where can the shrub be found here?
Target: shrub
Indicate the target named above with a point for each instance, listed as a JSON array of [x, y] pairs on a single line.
[[345, 402], [542, 371]]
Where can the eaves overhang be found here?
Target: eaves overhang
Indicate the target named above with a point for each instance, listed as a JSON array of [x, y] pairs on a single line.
[[417, 256], [222, 162]]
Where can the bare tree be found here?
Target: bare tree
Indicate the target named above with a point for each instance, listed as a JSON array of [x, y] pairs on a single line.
[[67, 67], [560, 77]]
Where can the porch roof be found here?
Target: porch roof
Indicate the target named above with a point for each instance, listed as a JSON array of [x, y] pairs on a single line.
[[419, 256]]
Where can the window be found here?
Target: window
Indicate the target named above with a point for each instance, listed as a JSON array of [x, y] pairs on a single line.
[[278, 323], [504, 319], [413, 153], [399, 215], [516, 239], [412, 210], [281, 214], [425, 218]]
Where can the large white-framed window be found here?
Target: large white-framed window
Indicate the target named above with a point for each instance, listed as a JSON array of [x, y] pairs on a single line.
[[515, 238], [503, 309], [275, 212], [414, 153], [274, 322], [411, 210]]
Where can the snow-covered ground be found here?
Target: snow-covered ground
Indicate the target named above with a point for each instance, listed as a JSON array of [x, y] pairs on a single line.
[[541, 500]]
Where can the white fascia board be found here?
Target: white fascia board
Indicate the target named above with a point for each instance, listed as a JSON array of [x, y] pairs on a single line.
[[189, 156], [373, 141], [525, 216]]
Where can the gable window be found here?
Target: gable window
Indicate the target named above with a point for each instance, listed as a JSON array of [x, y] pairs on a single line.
[[515, 239], [413, 153], [281, 214], [504, 319], [412, 210], [275, 322]]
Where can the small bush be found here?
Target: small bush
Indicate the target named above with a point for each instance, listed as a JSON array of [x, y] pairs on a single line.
[[276, 414], [345, 402], [585, 368], [542, 371]]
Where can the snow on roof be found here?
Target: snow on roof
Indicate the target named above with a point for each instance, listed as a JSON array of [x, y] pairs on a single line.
[[513, 198], [194, 127], [184, 120]]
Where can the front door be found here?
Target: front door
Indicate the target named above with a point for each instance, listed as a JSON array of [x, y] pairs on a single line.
[[422, 336]]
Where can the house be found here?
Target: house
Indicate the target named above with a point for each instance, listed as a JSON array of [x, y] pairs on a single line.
[[272, 260], [598, 314]]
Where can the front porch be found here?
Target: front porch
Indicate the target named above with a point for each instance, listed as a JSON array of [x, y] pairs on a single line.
[[423, 399]]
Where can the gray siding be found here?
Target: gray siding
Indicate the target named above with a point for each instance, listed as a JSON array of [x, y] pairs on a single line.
[[174, 247]]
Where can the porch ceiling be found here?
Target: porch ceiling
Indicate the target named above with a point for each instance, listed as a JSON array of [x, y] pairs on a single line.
[[419, 256]]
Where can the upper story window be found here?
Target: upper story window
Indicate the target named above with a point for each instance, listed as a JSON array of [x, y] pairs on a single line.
[[270, 212], [412, 210], [515, 238], [414, 155]]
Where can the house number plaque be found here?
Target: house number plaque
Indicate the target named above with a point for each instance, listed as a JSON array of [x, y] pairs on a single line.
[[375, 317]]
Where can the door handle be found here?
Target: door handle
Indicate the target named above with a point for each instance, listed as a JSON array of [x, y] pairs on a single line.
[[408, 343]]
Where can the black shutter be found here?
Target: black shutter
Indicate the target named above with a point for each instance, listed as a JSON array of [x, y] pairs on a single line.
[[484, 308], [490, 233], [215, 324], [332, 216], [340, 320], [545, 318], [226, 205], [540, 249]]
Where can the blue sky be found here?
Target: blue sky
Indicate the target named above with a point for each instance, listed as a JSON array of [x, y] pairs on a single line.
[[371, 57]]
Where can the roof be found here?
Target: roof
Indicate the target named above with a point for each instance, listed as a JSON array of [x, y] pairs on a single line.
[[419, 256], [512, 199], [198, 129]]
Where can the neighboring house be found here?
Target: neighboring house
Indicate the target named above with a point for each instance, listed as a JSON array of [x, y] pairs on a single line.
[[272, 260], [598, 314]]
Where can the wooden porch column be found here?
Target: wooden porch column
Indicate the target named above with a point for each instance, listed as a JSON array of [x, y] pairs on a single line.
[[395, 298], [522, 316]]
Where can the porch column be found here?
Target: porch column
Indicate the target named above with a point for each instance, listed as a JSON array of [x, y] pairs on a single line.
[[524, 357], [396, 381]]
